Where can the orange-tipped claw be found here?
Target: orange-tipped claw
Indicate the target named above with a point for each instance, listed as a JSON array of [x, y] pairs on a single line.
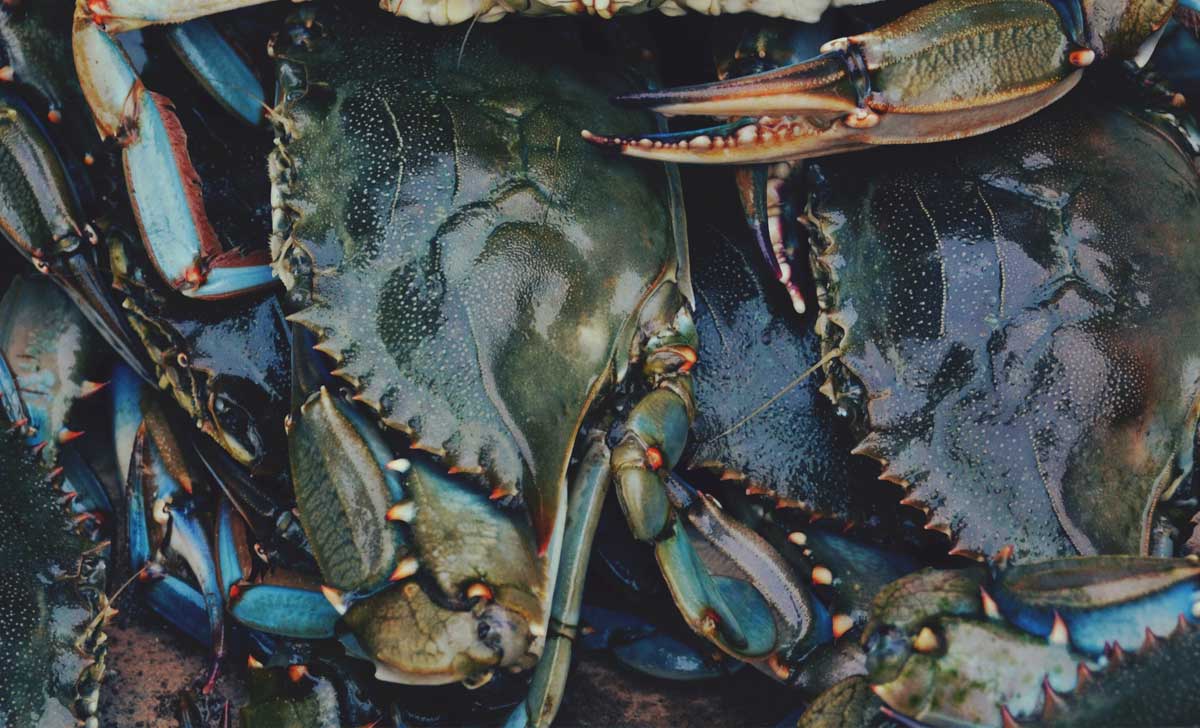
[[950, 69]]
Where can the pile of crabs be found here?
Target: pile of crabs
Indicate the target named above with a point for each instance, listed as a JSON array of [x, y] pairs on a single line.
[[334, 330]]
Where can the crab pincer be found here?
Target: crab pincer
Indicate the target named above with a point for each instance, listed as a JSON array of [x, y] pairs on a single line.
[[951, 69], [164, 188]]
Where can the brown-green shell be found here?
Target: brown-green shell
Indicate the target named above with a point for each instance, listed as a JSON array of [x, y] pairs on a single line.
[[1021, 311], [474, 266]]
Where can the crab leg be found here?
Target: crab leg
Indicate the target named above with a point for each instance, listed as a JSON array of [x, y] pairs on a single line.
[[950, 69], [285, 604], [1099, 599], [153, 478], [218, 67], [588, 490], [728, 584], [40, 216], [163, 186]]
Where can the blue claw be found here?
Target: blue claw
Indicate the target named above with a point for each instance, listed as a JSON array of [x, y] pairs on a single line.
[[285, 610], [219, 68], [78, 477], [227, 282], [1100, 599], [290, 611], [181, 605], [127, 392], [163, 185], [174, 510], [641, 647]]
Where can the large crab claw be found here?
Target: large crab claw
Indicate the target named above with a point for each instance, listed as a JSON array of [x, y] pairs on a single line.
[[164, 188], [950, 69], [403, 547]]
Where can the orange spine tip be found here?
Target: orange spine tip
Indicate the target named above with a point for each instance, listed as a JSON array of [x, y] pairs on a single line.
[[90, 388], [401, 511], [1082, 57], [1083, 676], [66, 435], [782, 671], [253, 663], [334, 597], [54, 116], [654, 458], [822, 575], [1151, 640], [481, 591], [399, 465], [405, 568], [989, 605], [798, 538], [842, 623], [6, 73], [926, 641], [296, 673], [1058, 633], [1007, 720], [688, 354]]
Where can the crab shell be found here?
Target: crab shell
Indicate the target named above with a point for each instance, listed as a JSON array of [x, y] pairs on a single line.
[[1019, 311], [52, 582], [445, 232]]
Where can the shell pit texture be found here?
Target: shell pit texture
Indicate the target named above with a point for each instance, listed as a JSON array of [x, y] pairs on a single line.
[[446, 239], [1017, 313], [52, 603]]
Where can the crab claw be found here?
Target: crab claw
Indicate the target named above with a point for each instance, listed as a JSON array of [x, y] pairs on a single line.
[[950, 69], [163, 185], [40, 215]]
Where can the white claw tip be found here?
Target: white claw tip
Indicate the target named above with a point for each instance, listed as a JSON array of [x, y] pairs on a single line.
[[400, 465], [989, 605], [1058, 633], [335, 599]]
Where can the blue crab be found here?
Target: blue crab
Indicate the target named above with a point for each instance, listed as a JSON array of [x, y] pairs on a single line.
[[1000, 316], [486, 450]]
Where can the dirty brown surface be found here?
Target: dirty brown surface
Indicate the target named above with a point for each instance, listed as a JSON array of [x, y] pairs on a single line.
[[601, 694], [149, 664]]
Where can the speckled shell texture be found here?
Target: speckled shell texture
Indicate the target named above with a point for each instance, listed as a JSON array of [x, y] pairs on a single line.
[[478, 266], [1021, 309]]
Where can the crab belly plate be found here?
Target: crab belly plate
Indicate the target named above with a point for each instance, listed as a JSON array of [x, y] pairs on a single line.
[[1021, 312]]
